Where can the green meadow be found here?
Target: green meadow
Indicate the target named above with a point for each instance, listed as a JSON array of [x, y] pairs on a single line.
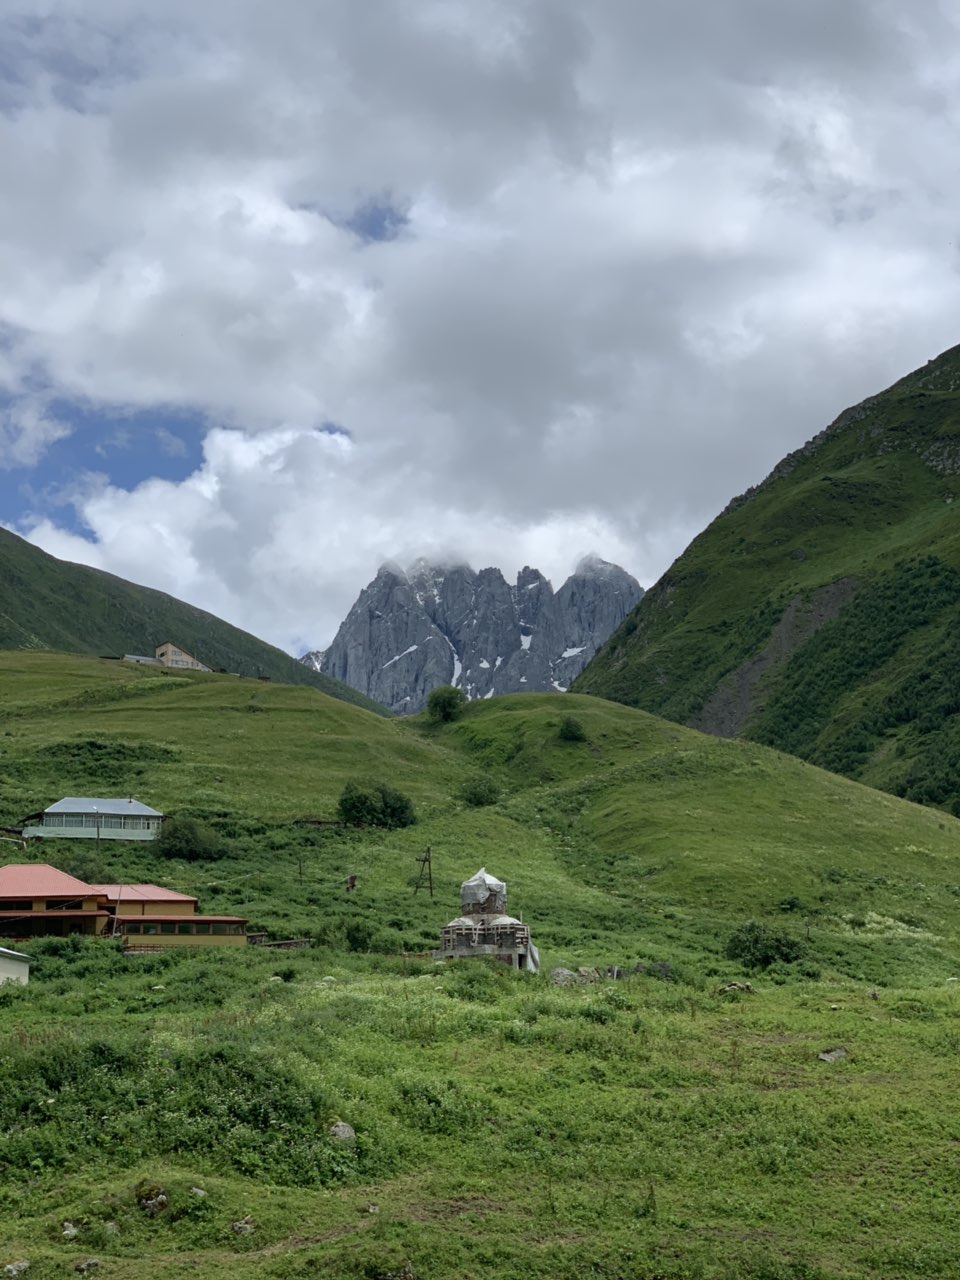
[[675, 1123]]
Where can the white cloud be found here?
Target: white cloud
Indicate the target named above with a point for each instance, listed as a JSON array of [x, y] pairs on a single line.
[[647, 250], [278, 529], [27, 429]]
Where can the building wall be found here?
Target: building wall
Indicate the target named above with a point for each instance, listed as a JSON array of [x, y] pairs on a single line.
[[51, 904], [134, 908], [85, 827], [170, 656], [14, 970], [185, 940], [57, 925]]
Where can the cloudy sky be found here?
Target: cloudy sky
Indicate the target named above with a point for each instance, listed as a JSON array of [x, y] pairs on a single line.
[[290, 289]]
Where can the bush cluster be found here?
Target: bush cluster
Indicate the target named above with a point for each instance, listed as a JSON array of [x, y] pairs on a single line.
[[190, 840], [479, 790], [232, 1105], [374, 804], [758, 946], [572, 730]]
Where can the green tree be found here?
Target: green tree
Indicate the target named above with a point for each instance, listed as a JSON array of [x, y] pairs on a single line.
[[445, 703], [190, 840], [373, 804], [397, 808]]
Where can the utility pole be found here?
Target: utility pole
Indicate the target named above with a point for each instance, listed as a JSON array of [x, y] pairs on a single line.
[[426, 869]]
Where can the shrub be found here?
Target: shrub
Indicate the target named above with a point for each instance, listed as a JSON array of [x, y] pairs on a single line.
[[190, 840], [375, 805], [572, 730], [758, 946], [398, 810], [228, 1105], [480, 790], [445, 703]]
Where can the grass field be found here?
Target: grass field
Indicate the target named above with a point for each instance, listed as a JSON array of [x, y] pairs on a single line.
[[658, 1126]]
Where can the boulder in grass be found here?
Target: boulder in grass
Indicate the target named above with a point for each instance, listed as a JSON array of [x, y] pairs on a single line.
[[832, 1055]]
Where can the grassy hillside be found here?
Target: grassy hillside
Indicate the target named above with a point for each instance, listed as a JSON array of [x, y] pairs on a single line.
[[47, 603], [659, 1125], [820, 612]]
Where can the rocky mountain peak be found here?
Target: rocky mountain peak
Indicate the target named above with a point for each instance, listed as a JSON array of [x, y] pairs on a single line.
[[593, 566], [412, 630], [390, 569]]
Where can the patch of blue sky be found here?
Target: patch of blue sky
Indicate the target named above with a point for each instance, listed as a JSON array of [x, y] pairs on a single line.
[[125, 448], [374, 221], [377, 220], [66, 57], [335, 429]]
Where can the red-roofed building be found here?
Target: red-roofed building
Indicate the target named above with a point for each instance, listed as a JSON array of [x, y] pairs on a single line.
[[139, 899], [37, 900]]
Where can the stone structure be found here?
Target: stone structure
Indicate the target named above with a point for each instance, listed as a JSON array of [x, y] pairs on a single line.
[[483, 927]]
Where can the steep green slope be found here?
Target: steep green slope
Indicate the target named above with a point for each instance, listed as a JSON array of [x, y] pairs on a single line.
[[820, 611], [47, 603], [662, 1125]]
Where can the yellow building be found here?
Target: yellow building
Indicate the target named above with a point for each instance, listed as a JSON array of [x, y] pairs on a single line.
[[153, 917], [37, 900]]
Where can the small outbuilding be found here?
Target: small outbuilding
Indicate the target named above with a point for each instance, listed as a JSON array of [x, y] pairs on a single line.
[[93, 818], [483, 927], [14, 967]]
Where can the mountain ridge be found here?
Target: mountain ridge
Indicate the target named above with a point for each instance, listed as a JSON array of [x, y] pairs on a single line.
[[413, 629], [841, 571], [46, 603]]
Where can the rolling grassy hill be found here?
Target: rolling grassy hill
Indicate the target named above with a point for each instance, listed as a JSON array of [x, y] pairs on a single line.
[[820, 612], [660, 1125], [47, 603]]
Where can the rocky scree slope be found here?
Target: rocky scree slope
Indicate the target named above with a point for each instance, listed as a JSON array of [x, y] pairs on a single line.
[[410, 632], [820, 612], [46, 603]]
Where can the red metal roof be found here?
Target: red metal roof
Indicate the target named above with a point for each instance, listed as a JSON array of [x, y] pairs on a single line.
[[140, 893], [40, 880]]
